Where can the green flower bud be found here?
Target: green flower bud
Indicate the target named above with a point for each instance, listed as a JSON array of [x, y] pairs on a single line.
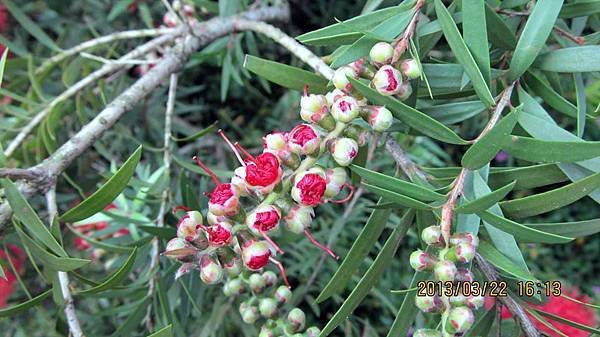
[[340, 78], [257, 283], [462, 252], [283, 294], [427, 333], [444, 271], [313, 331], [250, 315], [420, 260], [432, 235], [458, 300], [379, 117], [410, 69], [233, 287], [464, 275], [344, 150], [267, 307], [296, 319], [460, 319], [211, 271], [464, 238], [475, 302], [270, 278], [381, 53], [388, 81], [429, 303], [404, 91], [345, 109], [266, 332]]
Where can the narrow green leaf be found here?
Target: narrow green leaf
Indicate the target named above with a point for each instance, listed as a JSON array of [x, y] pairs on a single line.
[[581, 103], [207, 130], [462, 54], [50, 260], [226, 74], [397, 185], [115, 279], [106, 193], [409, 115], [484, 149], [25, 305], [30, 26], [570, 60], [117, 9], [397, 198], [547, 93], [498, 32], [348, 31], [23, 211], [373, 274], [475, 35], [579, 8], [286, 76], [503, 263], [521, 232], [546, 151], [3, 64], [452, 113], [196, 169], [133, 320], [482, 326], [408, 310], [563, 320], [359, 250], [527, 177], [486, 201], [164, 233], [572, 229], [553, 199], [164, 332], [537, 29]]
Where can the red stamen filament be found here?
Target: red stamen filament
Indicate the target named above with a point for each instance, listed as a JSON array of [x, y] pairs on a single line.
[[237, 154], [306, 90], [207, 170], [180, 208], [242, 150], [341, 201], [282, 270], [319, 245], [269, 240]]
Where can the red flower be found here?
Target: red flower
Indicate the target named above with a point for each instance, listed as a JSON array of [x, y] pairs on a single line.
[[302, 134], [312, 187], [219, 234], [3, 19], [80, 244], [263, 171], [560, 306], [221, 194], [8, 286]]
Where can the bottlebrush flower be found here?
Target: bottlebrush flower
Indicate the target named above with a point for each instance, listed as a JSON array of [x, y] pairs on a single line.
[[444, 271], [263, 172], [345, 109], [255, 254], [420, 260], [336, 180], [410, 69], [303, 139], [309, 187], [211, 271], [388, 80], [460, 319], [379, 117], [190, 226], [219, 234], [381, 53], [224, 199], [340, 78], [343, 151]]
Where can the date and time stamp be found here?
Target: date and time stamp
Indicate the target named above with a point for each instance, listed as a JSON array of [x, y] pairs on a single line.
[[489, 288]]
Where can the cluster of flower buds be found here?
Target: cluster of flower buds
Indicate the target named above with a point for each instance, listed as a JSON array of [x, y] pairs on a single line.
[[457, 309], [182, 10]]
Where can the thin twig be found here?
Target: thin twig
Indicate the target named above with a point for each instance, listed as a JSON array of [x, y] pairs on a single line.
[[19, 173], [63, 278], [160, 219], [402, 43], [406, 164]]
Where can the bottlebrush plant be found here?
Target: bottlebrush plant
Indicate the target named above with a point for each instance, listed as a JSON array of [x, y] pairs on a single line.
[[446, 138]]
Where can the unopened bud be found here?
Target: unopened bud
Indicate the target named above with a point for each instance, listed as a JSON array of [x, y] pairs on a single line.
[[475, 302], [283, 294], [257, 283], [263, 219], [420, 260], [343, 151], [333, 96], [233, 287], [250, 315], [460, 319], [309, 186], [465, 237], [405, 91], [266, 332], [464, 275], [462, 252], [303, 139], [410, 69], [270, 278], [299, 218], [179, 248], [427, 333], [184, 269], [233, 267], [336, 179], [345, 109], [444, 271], [358, 133], [381, 53], [211, 271], [340, 78], [313, 331], [267, 307], [255, 254], [388, 80], [312, 107], [432, 235], [429, 303], [296, 318], [189, 226], [379, 117], [458, 300]]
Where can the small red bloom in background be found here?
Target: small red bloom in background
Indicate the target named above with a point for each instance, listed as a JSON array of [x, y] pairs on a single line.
[[8, 286], [3, 24], [565, 308], [88, 229]]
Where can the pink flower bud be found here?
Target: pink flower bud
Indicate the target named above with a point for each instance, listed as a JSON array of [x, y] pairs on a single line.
[[340, 78], [405, 91], [179, 248], [263, 173], [444, 271], [266, 332], [410, 69], [233, 287], [345, 109], [283, 294], [379, 117], [462, 252], [299, 218], [333, 96], [250, 315], [219, 234], [190, 226], [263, 219], [420, 260], [184, 269], [336, 180], [313, 107], [303, 139], [188, 10], [313, 331], [270, 278], [211, 271], [267, 307], [388, 80], [309, 187], [169, 19], [296, 318], [429, 303], [475, 302], [464, 238], [460, 319], [257, 283], [427, 333], [464, 275], [275, 141], [432, 235], [381, 53], [233, 267], [255, 254], [343, 151], [224, 200]]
